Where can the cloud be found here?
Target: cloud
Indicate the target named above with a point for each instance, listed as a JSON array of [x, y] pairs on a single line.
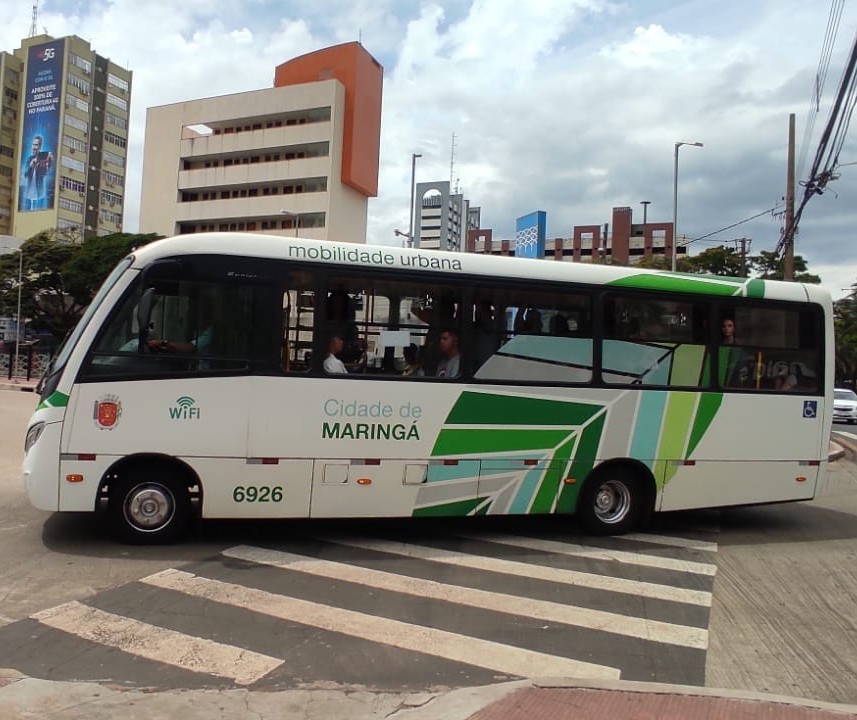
[[570, 106]]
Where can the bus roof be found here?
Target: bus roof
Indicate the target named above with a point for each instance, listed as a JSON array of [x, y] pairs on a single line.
[[244, 244]]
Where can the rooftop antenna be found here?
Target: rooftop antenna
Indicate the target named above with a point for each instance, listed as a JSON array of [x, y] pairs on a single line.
[[452, 160], [35, 21]]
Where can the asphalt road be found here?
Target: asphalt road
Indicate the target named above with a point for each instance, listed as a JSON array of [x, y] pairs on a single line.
[[757, 598]]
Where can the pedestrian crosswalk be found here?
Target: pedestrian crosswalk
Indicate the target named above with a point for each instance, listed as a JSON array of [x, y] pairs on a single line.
[[418, 612]]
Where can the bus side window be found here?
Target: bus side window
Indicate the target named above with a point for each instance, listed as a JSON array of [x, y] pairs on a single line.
[[770, 349], [298, 323]]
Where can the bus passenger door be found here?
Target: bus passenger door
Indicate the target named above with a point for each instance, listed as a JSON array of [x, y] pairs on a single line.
[[394, 488]]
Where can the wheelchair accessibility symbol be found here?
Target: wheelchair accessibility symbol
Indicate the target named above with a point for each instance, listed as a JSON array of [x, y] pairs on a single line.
[[810, 408]]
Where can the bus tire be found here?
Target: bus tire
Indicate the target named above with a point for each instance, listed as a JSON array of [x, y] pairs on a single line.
[[148, 506], [612, 501]]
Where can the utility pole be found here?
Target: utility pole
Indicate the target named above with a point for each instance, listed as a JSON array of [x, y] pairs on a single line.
[[789, 245], [744, 243]]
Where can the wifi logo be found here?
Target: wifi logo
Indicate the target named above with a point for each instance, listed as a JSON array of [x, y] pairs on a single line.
[[184, 409]]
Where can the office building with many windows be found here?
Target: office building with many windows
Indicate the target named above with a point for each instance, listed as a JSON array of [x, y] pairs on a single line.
[[63, 139], [443, 217], [300, 158]]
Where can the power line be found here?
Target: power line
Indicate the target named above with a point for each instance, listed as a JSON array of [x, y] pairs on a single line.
[[833, 19], [771, 211], [830, 145]]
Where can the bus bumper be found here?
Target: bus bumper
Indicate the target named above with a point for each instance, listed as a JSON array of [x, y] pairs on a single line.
[[40, 470]]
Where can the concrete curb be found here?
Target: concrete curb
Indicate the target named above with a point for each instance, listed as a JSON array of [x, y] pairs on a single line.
[[461, 704], [667, 689], [24, 697], [834, 451], [22, 386]]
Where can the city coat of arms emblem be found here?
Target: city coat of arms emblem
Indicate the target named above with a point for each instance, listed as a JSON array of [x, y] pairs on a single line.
[[107, 412]]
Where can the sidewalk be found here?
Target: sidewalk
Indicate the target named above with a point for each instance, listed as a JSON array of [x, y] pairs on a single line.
[[18, 384], [553, 699]]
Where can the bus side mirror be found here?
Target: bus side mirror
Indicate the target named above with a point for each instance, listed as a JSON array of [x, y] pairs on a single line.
[[144, 316]]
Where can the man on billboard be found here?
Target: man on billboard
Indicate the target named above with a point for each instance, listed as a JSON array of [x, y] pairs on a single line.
[[36, 169]]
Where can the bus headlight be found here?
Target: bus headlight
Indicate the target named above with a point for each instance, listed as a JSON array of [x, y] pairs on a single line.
[[33, 435]]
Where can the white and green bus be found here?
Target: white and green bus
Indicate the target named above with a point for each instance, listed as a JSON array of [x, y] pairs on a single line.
[[257, 376]]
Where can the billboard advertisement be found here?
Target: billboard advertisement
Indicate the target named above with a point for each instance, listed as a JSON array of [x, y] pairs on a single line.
[[40, 126], [530, 231]]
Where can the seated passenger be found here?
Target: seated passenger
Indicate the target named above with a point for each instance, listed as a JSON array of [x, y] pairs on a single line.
[[727, 332], [785, 379], [560, 326], [528, 321], [332, 364], [413, 368], [340, 321], [450, 364]]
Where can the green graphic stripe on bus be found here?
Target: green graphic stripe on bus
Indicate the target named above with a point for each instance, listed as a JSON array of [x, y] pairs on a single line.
[[709, 404], [456, 508], [677, 420], [687, 365], [475, 408], [495, 440], [584, 460], [683, 284], [56, 399], [551, 483], [756, 288]]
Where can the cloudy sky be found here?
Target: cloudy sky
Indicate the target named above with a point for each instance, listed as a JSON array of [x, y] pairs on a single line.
[[567, 106]]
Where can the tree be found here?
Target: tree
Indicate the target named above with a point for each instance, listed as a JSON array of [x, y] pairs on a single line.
[[768, 266], [845, 334], [718, 260], [61, 276], [662, 262]]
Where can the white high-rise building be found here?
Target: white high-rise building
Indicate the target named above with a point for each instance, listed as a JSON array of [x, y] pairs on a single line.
[[299, 159], [443, 217]]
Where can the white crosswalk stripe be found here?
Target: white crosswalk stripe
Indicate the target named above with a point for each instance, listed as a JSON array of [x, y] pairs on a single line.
[[687, 543], [643, 628], [583, 551], [159, 644], [482, 653], [654, 591], [627, 612]]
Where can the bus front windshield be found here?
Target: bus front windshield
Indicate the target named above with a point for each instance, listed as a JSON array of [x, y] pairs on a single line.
[[73, 337]]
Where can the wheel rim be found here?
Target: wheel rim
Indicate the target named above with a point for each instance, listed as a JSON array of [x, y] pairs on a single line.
[[612, 502], [149, 507]]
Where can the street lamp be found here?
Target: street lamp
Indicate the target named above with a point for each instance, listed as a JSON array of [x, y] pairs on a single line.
[[411, 214], [399, 233], [675, 197], [297, 218], [18, 317]]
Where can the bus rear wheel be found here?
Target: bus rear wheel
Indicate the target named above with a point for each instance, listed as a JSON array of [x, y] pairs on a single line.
[[148, 507], [611, 502]]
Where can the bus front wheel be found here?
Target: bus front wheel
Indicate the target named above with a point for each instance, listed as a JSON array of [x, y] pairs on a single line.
[[611, 502], [148, 508]]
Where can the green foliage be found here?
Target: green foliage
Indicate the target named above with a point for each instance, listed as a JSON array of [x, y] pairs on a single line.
[[660, 262], [60, 276], [845, 330], [718, 260], [770, 267]]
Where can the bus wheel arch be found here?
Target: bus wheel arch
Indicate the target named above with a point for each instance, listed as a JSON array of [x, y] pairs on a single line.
[[150, 498], [617, 497]]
